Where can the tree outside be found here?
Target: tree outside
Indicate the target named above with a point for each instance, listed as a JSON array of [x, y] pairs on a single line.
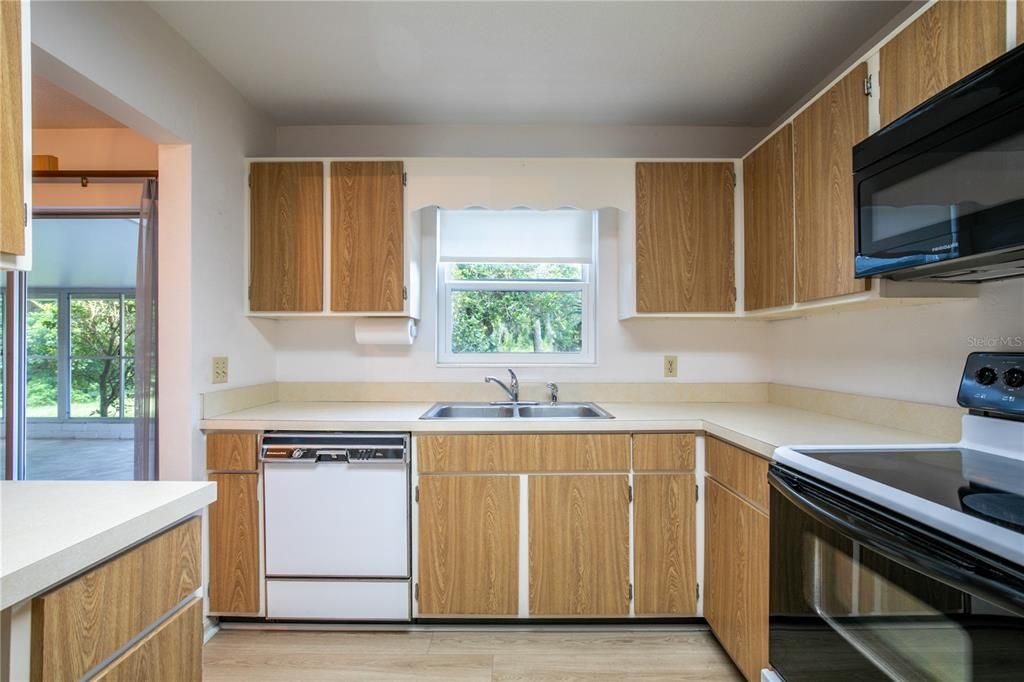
[[516, 321]]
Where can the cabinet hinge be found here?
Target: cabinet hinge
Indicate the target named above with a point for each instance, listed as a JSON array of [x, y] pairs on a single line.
[[24, 214], [405, 293], [697, 493], [698, 591], [405, 178], [417, 494], [630, 493], [416, 592], [250, 179], [631, 592], [867, 86], [732, 173]]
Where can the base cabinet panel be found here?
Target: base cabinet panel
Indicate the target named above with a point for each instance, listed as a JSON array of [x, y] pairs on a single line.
[[469, 546], [665, 544], [579, 545], [173, 651], [736, 577]]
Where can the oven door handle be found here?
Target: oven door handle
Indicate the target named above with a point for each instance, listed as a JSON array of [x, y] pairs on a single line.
[[956, 566]]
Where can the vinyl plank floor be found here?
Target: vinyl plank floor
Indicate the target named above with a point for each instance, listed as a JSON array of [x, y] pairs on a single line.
[[486, 654]]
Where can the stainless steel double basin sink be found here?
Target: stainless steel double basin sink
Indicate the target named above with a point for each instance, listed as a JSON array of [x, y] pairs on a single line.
[[521, 410]]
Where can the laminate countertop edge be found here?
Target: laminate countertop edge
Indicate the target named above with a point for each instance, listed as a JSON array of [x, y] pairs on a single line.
[[757, 427], [54, 530]]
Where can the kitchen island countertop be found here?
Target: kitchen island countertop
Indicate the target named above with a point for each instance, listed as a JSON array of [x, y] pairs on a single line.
[[52, 530]]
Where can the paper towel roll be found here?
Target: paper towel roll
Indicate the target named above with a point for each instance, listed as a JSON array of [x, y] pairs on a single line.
[[385, 331]]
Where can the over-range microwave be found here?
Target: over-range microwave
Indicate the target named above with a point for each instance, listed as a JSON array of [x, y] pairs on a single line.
[[939, 193]]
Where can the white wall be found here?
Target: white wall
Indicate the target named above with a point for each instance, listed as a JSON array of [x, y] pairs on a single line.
[[519, 141], [729, 351], [124, 60], [910, 353]]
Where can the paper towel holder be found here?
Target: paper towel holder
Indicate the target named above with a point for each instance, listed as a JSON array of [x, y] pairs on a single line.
[[385, 331]]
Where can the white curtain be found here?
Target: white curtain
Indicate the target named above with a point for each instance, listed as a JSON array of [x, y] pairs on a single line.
[[146, 455]]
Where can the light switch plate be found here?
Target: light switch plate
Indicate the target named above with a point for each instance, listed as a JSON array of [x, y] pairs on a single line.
[[220, 370], [671, 366]]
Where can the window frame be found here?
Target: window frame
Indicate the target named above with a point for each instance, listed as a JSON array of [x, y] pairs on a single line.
[[587, 285], [63, 297]]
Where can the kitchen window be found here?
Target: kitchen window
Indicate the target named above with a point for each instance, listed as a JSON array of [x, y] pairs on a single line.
[[516, 287]]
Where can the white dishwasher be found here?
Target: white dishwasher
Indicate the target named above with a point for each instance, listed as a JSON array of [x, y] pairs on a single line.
[[337, 526]]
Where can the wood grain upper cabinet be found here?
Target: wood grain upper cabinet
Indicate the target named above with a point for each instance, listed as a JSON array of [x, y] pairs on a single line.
[[579, 545], [768, 223], [823, 138], [367, 236], [12, 144], [469, 546], [286, 236], [949, 41], [736, 577], [684, 238]]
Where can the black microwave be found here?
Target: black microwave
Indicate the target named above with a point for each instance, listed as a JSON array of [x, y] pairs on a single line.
[[939, 193]]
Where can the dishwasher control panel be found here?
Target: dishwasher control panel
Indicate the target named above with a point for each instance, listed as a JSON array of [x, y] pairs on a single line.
[[284, 447]]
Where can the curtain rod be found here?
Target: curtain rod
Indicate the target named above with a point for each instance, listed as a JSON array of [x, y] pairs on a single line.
[[84, 177]]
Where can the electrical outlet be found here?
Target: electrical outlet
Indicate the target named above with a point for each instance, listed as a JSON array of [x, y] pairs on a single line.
[[671, 366], [220, 370]]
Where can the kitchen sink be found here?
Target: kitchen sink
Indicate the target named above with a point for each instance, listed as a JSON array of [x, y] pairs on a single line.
[[516, 411]]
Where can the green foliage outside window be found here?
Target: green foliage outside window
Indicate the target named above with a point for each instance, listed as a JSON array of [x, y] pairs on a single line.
[[516, 321]]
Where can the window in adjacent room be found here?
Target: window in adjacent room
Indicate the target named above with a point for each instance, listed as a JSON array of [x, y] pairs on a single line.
[[516, 287]]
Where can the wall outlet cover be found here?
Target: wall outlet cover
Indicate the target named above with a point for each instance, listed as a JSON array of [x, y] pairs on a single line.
[[220, 370], [671, 366]]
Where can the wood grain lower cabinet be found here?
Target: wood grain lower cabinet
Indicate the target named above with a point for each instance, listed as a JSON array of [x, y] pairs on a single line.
[[173, 652], [736, 577], [665, 544], [234, 545], [469, 546], [522, 452], [579, 545], [85, 621]]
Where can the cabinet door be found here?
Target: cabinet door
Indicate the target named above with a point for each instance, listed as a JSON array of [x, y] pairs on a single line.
[[768, 223], [823, 138], [12, 144], [234, 545], [286, 236], [949, 41], [684, 238], [665, 545], [173, 651], [736, 578], [469, 546], [367, 236], [579, 545]]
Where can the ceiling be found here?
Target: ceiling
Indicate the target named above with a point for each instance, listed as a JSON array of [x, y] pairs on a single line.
[[56, 108], [493, 62]]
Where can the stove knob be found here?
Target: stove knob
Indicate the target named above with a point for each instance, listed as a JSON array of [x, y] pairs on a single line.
[[1014, 377], [986, 376]]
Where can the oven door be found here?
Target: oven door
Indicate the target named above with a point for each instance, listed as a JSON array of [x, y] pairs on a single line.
[[859, 593]]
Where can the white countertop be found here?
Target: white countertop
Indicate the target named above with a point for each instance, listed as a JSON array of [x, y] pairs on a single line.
[[759, 427], [51, 530]]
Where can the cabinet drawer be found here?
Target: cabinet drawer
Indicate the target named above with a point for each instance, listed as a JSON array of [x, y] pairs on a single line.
[[663, 451], [231, 451], [78, 625], [743, 472], [528, 453], [173, 651]]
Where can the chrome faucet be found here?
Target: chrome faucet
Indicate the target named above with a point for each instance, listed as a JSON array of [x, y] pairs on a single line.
[[553, 387], [511, 389]]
